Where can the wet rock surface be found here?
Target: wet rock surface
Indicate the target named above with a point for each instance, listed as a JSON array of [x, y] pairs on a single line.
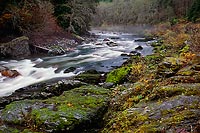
[[139, 48], [145, 39], [9, 73], [40, 91]]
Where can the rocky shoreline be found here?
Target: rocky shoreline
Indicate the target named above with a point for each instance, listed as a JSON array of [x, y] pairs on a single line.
[[22, 47]]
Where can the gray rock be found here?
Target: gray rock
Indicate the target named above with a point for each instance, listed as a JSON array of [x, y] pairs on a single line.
[[70, 69], [107, 85], [15, 48]]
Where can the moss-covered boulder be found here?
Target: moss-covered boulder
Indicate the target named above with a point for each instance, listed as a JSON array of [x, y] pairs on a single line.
[[118, 75], [169, 66], [73, 111], [91, 77], [188, 74]]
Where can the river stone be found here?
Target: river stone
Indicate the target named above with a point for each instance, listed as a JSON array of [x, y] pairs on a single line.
[[139, 48], [10, 73], [16, 48], [107, 85], [145, 39], [135, 53], [73, 111], [111, 44], [70, 69], [107, 40]]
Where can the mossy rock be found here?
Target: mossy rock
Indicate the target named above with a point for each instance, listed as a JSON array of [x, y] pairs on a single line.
[[173, 90], [74, 110], [184, 79], [169, 66], [170, 115], [118, 75], [189, 70], [91, 77]]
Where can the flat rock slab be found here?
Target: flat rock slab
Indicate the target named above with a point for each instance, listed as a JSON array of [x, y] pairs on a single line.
[[172, 115], [73, 111]]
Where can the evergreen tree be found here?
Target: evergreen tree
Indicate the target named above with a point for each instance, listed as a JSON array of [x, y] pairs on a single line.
[[194, 12]]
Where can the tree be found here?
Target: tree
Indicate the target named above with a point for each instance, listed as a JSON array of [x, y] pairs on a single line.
[[194, 12], [75, 15], [142, 11]]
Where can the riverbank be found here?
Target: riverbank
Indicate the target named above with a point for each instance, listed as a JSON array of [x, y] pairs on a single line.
[[161, 91], [95, 58], [155, 93]]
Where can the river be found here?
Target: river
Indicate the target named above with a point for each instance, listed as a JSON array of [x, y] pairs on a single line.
[[103, 54]]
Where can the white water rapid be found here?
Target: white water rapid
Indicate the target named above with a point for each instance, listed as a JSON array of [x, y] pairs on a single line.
[[101, 57]]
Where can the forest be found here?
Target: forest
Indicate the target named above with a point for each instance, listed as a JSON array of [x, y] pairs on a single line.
[[127, 12], [25, 16]]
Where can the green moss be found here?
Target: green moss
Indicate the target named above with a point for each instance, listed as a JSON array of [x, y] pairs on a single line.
[[125, 121], [29, 131], [147, 128], [173, 90], [185, 49], [178, 117], [186, 72], [153, 60], [72, 105], [118, 75]]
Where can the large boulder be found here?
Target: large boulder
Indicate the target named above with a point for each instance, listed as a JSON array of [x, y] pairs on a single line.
[[15, 48], [73, 111]]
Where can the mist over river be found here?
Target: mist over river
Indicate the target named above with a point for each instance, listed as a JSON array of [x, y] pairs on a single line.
[[103, 54]]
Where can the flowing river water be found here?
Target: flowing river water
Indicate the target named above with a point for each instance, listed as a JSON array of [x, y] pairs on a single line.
[[98, 55]]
